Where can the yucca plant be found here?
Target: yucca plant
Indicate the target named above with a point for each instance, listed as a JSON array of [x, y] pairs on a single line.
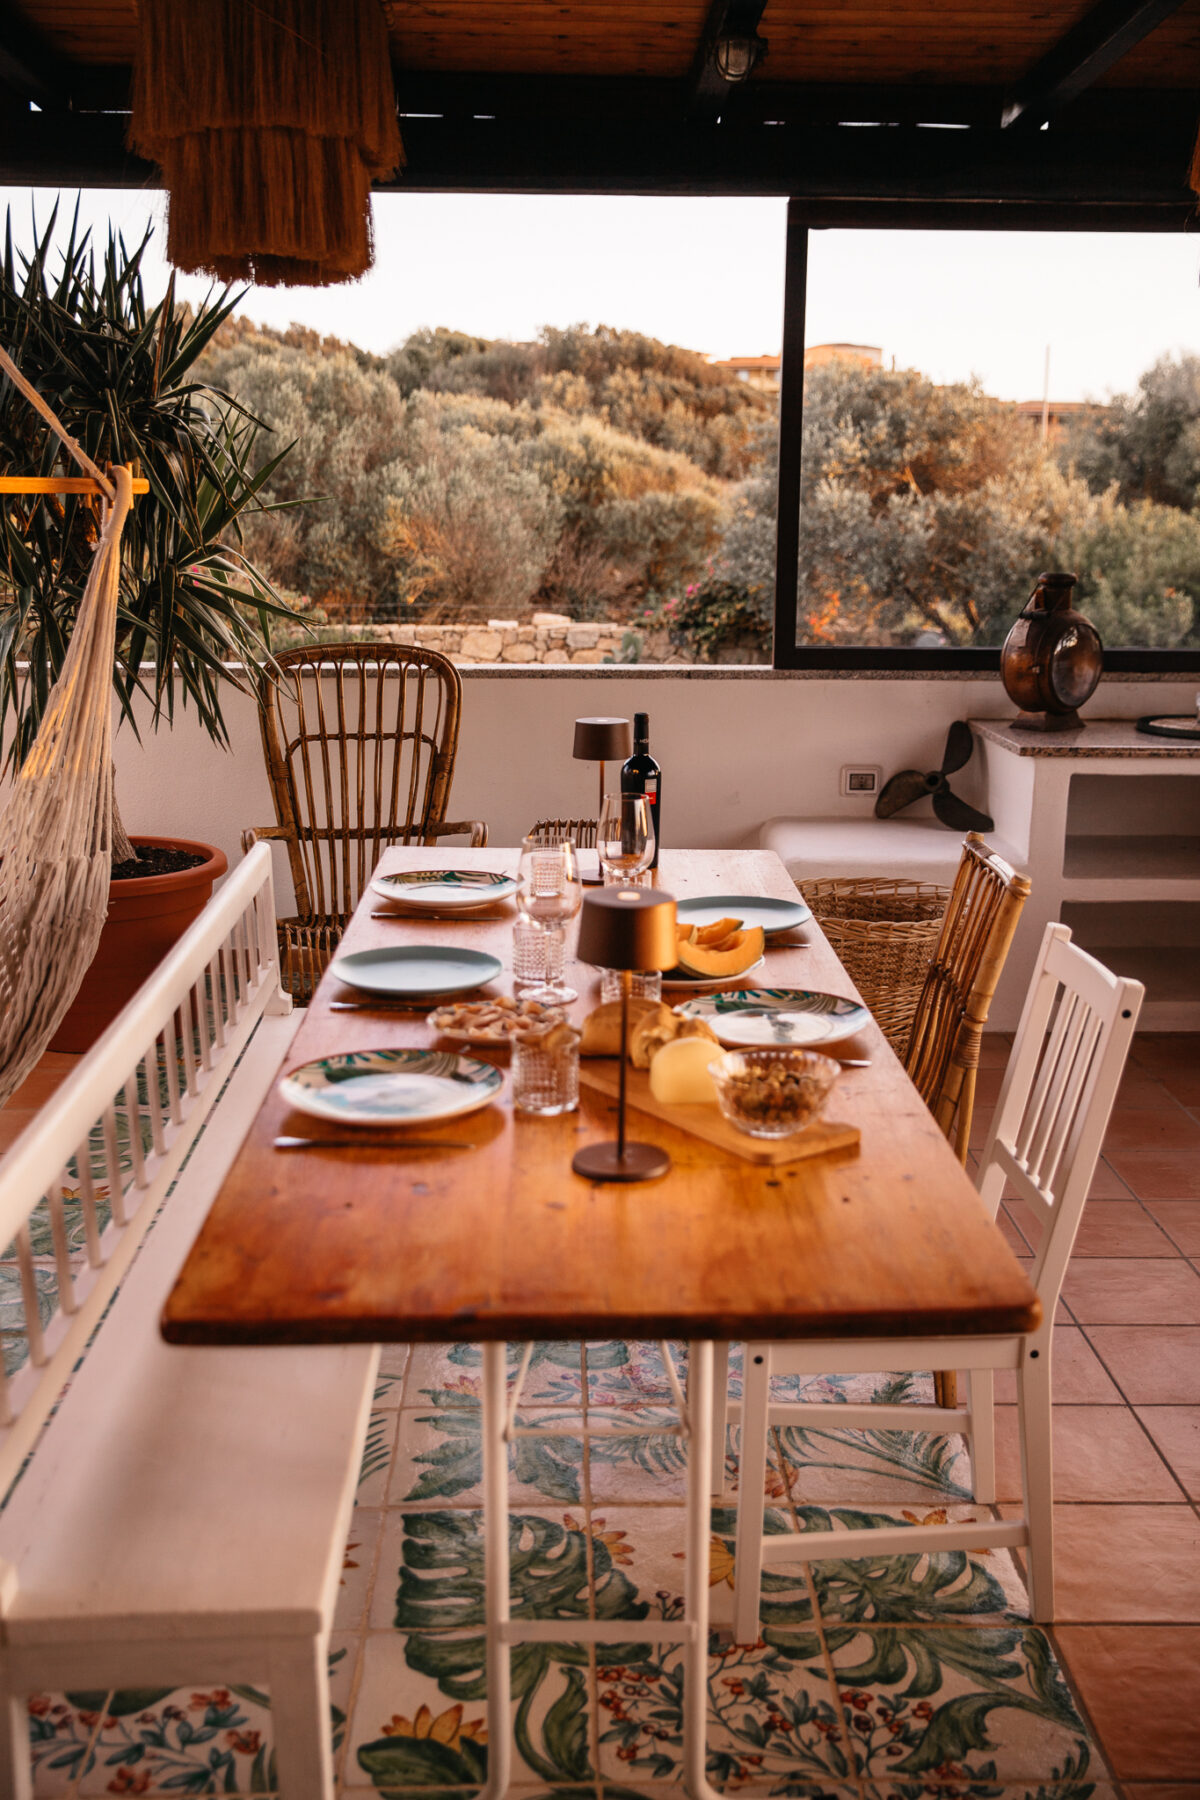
[[118, 374]]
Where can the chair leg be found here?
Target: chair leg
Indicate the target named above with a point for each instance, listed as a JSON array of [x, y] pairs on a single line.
[[752, 1472], [945, 1387], [719, 1481], [299, 1680], [981, 1387], [15, 1761], [1037, 1478]]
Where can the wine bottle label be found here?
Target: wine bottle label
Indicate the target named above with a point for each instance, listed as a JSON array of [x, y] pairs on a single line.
[[650, 789]]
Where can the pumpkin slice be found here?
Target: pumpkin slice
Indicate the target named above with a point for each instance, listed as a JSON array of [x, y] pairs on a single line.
[[741, 952]]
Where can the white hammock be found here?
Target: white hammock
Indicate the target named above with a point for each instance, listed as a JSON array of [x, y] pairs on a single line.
[[56, 825]]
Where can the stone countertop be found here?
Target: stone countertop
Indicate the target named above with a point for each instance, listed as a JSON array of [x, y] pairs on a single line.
[[1096, 738]]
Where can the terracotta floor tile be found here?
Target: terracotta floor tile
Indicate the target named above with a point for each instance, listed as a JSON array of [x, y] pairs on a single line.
[[1079, 1376], [1125, 1564], [1132, 1291], [1152, 1365], [1108, 1228], [1141, 1686], [1062, 1315], [1107, 1184], [995, 1049], [1163, 1790], [43, 1080], [1142, 1090], [1155, 1133], [1011, 1230], [12, 1124], [1100, 1453], [1176, 1431], [1180, 1219], [1171, 1176]]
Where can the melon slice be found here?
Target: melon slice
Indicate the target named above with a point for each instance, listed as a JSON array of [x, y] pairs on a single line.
[[737, 953]]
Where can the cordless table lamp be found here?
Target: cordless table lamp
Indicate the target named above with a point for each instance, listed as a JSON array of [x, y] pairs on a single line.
[[626, 928], [602, 740]]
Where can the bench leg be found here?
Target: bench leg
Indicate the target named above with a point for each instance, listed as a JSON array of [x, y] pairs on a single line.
[[16, 1769], [299, 1681]]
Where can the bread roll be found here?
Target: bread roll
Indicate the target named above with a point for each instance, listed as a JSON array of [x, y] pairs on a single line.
[[602, 1027]]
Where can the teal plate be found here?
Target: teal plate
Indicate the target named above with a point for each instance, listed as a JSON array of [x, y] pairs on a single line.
[[751, 909], [445, 890], [417, 971], [391, 1087], [761, 1018]]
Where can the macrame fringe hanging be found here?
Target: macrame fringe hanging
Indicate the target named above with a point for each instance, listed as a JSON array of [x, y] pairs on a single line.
[[269, 120], [56, 824]]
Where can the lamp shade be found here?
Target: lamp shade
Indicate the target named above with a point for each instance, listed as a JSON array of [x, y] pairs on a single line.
[[602, 740], [628, 928]]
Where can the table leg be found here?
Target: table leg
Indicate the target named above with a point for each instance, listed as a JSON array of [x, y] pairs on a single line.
[[496, 1571], [698, 1537]]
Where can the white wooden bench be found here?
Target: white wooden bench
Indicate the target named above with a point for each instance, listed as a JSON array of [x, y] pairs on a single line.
[[183, 1515], [903, 849]]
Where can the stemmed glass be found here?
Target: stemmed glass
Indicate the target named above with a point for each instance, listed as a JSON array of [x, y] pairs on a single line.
[[550, 894], [625, 838]]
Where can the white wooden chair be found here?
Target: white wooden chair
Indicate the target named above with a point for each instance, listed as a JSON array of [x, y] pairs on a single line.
[[183, 1514], [1046, 1136]]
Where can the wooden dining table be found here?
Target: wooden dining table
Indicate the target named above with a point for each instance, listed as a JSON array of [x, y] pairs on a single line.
[[501, 1242]]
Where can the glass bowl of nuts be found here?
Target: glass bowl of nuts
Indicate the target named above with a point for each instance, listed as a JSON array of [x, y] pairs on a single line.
[[772, 1093]]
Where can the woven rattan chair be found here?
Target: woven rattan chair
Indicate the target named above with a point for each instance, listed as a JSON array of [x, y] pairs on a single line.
[[359, 741], [582, 830], [942, 1057]]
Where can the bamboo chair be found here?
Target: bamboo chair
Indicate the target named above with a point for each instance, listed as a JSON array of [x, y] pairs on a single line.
[[359, 741], [1058, 1092], [942, 1056], [582, 830]]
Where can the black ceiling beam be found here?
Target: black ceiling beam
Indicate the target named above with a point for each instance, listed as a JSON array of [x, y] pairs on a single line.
[[841, 167], [708, 91], [1091, 47]]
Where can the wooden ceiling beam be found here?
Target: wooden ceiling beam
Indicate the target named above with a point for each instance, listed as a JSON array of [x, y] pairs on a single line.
[[29, 65], [1092, 46]]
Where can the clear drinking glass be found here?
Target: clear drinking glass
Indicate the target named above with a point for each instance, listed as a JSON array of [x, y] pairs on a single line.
[[538, 952], [550, 895], [625, 838], [545, 1071], [646, 984]]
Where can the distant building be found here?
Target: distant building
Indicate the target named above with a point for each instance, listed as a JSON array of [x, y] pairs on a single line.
[[1059, 414], [763, 371]]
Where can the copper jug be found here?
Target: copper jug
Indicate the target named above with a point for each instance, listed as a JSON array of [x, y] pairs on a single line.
[[1052, 658]]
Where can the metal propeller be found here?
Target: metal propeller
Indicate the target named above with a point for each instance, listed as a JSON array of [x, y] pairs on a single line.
[[910, 785]]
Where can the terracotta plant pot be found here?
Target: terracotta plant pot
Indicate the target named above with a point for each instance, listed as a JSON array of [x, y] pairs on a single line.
[[146, 917]]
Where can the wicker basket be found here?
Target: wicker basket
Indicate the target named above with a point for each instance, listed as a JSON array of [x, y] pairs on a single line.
[[885, 931]]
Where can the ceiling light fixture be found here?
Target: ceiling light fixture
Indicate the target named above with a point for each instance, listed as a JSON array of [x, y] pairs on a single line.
[[736, 55]]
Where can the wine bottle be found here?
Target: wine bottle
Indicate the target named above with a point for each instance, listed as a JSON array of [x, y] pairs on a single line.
[[642, 775]]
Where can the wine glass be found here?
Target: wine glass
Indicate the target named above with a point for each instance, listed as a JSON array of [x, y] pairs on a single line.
[[625, 838], [550, 893]]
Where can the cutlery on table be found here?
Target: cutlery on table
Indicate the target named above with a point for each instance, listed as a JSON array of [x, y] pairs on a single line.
[[404, 1006], [853, 1062], [368, 1143]]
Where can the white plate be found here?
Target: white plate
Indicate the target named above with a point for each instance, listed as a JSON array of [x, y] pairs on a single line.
[[766, 1018], [445, 890], [417, 971], [775, 916], [675, 980], [391, 1087]]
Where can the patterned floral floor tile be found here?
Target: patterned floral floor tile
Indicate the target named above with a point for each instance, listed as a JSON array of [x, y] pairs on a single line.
[[439, 1461], [920, 1788], [203, 1740], [873, 1466], [420, 1719], [393, 1366], [631, 1372], [960, 1704], [378, 1452], [450, 1374], [429, 1572], [60, 1733], [949, 1587], [344, 1647], [358, 1568]]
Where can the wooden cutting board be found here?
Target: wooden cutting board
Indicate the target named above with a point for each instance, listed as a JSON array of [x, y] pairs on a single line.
[[710, 1123]]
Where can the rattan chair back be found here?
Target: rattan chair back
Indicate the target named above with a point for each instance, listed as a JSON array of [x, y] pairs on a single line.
[[942, 1055], [582, 830], [360, 741]]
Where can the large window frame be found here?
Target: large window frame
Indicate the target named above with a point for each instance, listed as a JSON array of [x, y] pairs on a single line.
[[802, 216]]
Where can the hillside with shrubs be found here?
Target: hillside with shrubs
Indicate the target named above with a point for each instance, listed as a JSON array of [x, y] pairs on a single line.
[[603, 475]]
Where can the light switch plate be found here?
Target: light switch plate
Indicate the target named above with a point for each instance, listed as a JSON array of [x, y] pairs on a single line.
[[861, 780]]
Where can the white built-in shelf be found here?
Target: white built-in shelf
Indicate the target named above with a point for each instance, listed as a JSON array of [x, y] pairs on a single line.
[[1171, 857], [1169, 974]]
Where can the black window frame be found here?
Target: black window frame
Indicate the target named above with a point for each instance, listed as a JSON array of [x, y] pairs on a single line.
[[802, 217]]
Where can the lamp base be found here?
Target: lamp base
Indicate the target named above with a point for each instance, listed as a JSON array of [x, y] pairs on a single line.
[[602, 1162]]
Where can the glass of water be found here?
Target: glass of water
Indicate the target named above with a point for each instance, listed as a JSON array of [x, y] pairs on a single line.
[[549, 896], [545, 1071]]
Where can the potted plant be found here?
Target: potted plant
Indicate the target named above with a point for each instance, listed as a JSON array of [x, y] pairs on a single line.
[[119, 375]]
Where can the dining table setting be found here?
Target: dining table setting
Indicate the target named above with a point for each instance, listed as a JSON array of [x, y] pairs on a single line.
[[392, 1189]]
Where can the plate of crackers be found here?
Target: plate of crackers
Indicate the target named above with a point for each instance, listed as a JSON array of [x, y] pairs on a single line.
[[496, 1021]]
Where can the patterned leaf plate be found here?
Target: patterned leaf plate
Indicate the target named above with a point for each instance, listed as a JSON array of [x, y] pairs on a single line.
[[675, 978], [417, 970], [763, 1017], [441, 890], [391, 1087], [751, 909]]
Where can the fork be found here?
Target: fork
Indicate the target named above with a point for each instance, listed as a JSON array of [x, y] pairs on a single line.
[[369, 1143]]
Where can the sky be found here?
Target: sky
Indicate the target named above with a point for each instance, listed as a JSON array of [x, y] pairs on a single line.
[[708, 274]]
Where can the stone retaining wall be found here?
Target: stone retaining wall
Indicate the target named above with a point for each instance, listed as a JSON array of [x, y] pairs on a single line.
[[547, 638]]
